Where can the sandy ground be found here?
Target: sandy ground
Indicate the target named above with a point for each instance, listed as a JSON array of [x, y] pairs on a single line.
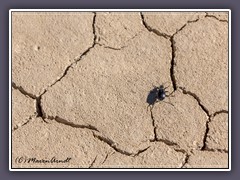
[[82, 84]]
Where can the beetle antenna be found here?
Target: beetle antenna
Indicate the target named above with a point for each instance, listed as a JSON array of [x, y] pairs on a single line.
[[165, 83], [154, 86], [151, 107]]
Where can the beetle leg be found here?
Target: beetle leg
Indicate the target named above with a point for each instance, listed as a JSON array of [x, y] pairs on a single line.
[[148, 106], [151, 106], [168, 103], [170, 95]]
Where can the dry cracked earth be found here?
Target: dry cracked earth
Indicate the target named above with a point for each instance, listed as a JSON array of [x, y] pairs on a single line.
[[81, 83]]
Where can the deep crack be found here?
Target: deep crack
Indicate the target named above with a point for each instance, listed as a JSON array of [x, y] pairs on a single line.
[[39, 110], [141, 151], [151, 29], [20, 88], [204, 147], [39, 107], [94, 28], [112, 144], [171, 38], [176, 148], [205, 135], [220, 112], [185, 161], [197, 98], [154, 127], [204, 109], [65, 122], [212, 16], [173, 79], [173, 47]]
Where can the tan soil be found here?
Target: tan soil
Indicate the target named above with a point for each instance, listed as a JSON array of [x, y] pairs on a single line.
[[82, 83]]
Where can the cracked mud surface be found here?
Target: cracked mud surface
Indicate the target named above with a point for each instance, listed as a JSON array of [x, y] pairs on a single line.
[[81, 84]]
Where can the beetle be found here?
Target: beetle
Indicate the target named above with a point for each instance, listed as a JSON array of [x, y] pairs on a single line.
[[158, 94], [161, 94]]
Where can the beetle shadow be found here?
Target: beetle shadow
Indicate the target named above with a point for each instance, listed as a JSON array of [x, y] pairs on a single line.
[[152, 97]]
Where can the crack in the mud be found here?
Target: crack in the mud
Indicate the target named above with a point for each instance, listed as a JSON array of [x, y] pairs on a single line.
[[109, 47], [20, 88], [205, 135], [188, 22], [39, 110], [171, 38], [173, 79], [216, 150], [117, 49], [39, 107], [204, 109], [105, 158], [197, 99], [121, 47], [167, 142], [80, 57], [204, 147], [185, 161], [91, 165], [173, 47], [220, 112], [106, 140], [154, 127], [94, 28], [112, 144], [28, 120], [65, 122], [212, 16], [141, 151], [176, 148], [174, 145], [70, 66], [150, 29], [167, 36]]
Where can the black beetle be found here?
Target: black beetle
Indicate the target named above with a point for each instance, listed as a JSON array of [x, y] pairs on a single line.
[[158, 94]]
